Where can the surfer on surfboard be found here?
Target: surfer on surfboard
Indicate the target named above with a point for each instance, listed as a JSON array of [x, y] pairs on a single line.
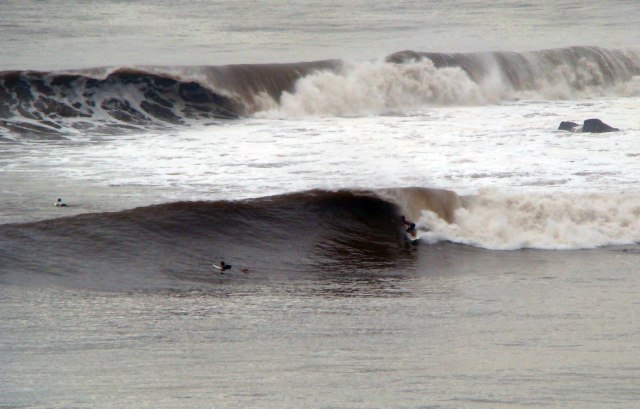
[[411, 233], [411, 227], [222, 267]]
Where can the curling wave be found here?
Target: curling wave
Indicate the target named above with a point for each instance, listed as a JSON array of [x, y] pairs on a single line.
[[104, 100], [165, 245]]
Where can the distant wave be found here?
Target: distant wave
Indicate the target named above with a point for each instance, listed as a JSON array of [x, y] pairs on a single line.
[[115, 100], [410, 79], [39, 102], [574, 68], [112, 101]]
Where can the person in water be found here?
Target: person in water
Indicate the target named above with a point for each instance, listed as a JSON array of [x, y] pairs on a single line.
[[411, 227], [59, 203], [222, 267]]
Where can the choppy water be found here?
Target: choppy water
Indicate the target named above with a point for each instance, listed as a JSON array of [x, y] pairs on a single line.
[[521, 291]]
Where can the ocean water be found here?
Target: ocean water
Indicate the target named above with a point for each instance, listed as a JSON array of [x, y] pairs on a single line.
[[288, 139]]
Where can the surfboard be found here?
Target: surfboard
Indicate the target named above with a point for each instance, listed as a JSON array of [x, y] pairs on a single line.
[[227, 267]]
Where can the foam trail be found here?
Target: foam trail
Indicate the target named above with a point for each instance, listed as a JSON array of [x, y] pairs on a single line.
[[559, 221]]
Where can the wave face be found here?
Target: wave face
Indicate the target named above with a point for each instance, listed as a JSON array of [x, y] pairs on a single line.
[[50, 104], [46, 103], [165, 245]]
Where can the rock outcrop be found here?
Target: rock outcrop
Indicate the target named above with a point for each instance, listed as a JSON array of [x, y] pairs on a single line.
[[593, 125]]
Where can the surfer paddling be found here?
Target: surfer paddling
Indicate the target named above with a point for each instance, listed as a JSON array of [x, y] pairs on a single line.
[[222, 267], [59, 203]]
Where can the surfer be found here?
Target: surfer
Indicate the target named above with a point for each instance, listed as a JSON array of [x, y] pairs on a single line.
[[411, 227], [411, 235], [59, 203], [222, 267], [411, 231]]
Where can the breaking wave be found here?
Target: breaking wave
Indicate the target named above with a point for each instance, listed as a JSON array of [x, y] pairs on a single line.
[[311, 232], [110, 100], [104, 100], [410, 79]]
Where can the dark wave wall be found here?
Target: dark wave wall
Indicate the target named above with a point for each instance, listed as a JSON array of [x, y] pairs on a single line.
[[174, 245]]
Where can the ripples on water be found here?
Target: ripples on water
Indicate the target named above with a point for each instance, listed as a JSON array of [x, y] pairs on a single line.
[[528, 329]]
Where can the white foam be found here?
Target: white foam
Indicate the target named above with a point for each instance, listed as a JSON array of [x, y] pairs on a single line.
[[367, 88], [371, 88], [497, 220]]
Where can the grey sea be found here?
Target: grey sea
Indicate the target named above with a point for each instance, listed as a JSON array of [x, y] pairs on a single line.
[[142, 143]]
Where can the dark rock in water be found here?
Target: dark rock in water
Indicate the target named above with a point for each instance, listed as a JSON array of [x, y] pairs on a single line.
[[589, 125], [597, 126], [567, 126]]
